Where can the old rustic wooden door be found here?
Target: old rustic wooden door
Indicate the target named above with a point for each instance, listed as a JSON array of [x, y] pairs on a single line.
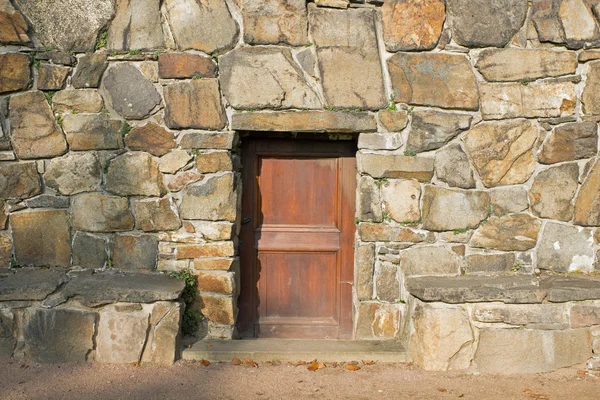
[[296, 243]]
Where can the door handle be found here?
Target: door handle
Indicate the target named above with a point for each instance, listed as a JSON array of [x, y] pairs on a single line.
[[246, 220]]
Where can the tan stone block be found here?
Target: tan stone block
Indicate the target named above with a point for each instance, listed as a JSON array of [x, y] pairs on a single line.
[[15, 73], [304, 121], [393, 121], [150, 138], [274, 22], [585, 315], [214, 162], [164, 335], [42, 237], [121, 336], [378, 321], [570, 142], [225, 249], [371, 232], [78, 100], [223, 264], [218, 309], [95, 212], [52, 77], [401, 200], [587, 206], [185, 65], [396, 166], [452, 209], [515, 232], [365, 264], [196, 104], [215, 282]]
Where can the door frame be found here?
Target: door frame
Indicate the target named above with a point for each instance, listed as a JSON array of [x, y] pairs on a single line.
[[247, 302]]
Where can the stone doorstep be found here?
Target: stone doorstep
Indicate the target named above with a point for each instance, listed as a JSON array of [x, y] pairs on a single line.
[[292, 350]]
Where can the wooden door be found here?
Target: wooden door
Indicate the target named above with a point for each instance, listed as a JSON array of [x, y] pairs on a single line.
[[296, 242]]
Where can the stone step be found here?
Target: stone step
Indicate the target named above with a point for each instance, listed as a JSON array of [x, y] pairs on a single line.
[[284, 350]]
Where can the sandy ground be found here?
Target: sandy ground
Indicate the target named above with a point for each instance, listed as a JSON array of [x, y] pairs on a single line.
[[192, 380]]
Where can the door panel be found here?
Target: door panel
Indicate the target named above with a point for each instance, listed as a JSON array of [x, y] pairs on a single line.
[[296, 241]]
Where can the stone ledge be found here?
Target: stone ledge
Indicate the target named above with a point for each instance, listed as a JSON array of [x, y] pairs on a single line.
[[506, 289], [30, 283], [305, 121]]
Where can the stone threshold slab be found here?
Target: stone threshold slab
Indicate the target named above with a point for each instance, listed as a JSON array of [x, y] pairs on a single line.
[[292, 350]]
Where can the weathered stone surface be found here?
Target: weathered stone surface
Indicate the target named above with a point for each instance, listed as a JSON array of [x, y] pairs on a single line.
[[216, 282], [212, 230], [15, 73], [468, 208], [83, 100], [429, 260], [150, 70], [74, 173], [510, 351], [13, 27], [569, 288], [489, 264], [95, 212], [545, 17], [156, 215], [129, 92], [195, 104], [121, 336], [545, 99], [370, 232], [507, 200], [570, 142], [585, 315], [369, 200], [553, 190], [185, 65], [591, 97], [453, 86], [515, 232], [93, 132], [502, 151], [136, 25], [6, 247], [412, 24], [89, 71], [218, 309], [89, 251], [207, 26], [540, 316], [58, 335], [135, 174], [443, 338], [52, 77], [48, 201], [304, 121], [431, 130], [223, 249], [350, 64], [565, 248], [223, 264], [587, 206], [400, 200], [275, 21], [578, 22], [7, 325], [365, 264], [208, 140], [393, 121], [41, 237], [396, 166], [212, 199], [214, 161], [174, 161], [135, 252], [71, 25], [35, 133], [151, 138], [379, 141], [505, 65], [452, 167], [182, 179], [163, 338], [493, 24], [30, 284], [264, 77], [387, 284], [333, 3], [378, 321], [19, 181], [56, 57]]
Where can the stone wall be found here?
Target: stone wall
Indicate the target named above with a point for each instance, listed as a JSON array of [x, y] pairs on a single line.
[[477, 125]]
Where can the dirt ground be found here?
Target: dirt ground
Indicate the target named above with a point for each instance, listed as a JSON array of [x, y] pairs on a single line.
[[192, 380]]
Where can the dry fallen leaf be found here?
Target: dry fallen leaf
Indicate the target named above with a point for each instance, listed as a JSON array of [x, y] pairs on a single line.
[[210, 347], [321, 365], [351, 367], [534, 395], [313, 366], [581, 372], [250, 363], [135, 364], [368, 362], [206, 363], [442, 390], [236, 361], [298, 363]]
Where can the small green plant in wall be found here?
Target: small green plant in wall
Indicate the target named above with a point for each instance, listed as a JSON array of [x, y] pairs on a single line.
[[191, 317], [125, 130]]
